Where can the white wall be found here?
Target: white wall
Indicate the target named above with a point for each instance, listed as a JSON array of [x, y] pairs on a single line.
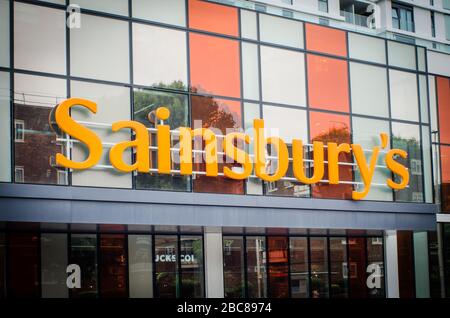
[[213, 262], [438, 63]]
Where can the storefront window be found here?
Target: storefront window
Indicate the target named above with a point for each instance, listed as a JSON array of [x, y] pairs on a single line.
[[299, 261], [191, 249], [405, 253], [278, 272], [338, 262], [83, 252], [233, 266], [375, 259], [319, 267], [140, 267], [113, 266], [166, 266], [53, 265], [256, 267]]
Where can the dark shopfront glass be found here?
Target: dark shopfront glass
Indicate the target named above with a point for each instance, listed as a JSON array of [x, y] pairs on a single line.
[[113, 262], [278, 267], [233, 267], [83, 252]]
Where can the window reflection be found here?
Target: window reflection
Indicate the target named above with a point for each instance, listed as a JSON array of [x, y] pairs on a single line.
[[233, 267], [278, 267], [319, 267], [53, 265], [83, 252], [166, 266], [405, 250], [113, 266], [191, 248], [375, 259], [299, 261], [256, 267], [357, 267], [140, 266], [338, 263]]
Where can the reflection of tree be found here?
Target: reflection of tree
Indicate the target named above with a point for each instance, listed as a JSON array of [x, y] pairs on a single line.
[[334, 134], [213, 115]]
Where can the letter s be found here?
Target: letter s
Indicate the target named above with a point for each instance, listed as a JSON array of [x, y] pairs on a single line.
[[397, 168], [72, 128]]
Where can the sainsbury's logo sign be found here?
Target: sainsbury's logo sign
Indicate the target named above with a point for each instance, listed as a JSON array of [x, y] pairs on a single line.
[[248, 163]]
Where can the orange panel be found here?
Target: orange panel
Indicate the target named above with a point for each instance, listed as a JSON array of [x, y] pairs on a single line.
[[328, 83], [213, 17], [445, 187], [214, 65], [443, 94], [328, 127], [325, 40]]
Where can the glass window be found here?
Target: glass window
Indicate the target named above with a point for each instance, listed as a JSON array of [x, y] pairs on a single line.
[[435, 276], [119, 7], [325, 40], [213, 17], [421, 59], [233, 266], [375, 257], [445, 186], [166, 266], [113, 265], [427, 169], [192, 273], [423, 90], [369, 90], [249, 27], [145, 104], [53, 265], [140, 267], [447, 26], [366, 132], [256, 267], [167, 11], [404, 99], [100, 49], [278, 266], [323, 5], [405, 253], [299, 267], [5, 130], [407, 137], [401, 55], [327, 127], [319, 267], [402, 17], [83, 252], [366, 48], [222, 116], [159, 57], [4, 33], [210, 56], [280, 31], [421, 268], [23, 264], [338, 263], [251, 112], [35, 97], [443, 104], [276, 86], [250, 71], [433, 108], [357, 267], [113, 104], [39, 38], [327, 83]]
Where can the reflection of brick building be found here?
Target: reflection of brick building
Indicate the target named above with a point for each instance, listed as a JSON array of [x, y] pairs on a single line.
[[35, 146]]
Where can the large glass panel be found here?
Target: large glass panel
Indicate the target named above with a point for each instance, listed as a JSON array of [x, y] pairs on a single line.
[[423, 90], [113, 104], [407, 137], [256, 267], [249, 26], [167, 11], [325, 40], [375, 259], [192, 273], [35, 142], [5, 128], [276, 86], [23, 265], [405, 253], [83, 252], [222, 116], [233, 266], [278, 266], [286, 123], [299, 267], [338, 263], [280, 31], [435, 273], [443, 104], [140, 268], [210, 56], [357, 267], [445, 179], [213, 17], [100, 49], [145, 104], [113, 266], [404, 98], [369, 90], [54, 265], [327, 127], [421, 59], [250, 71], [401, 55], [327, 83], [159, 57], [366, 132], [4, 33], [367, 48], [421, 267], [319, 267], [119, 7], [251, 112], [166, 266], [434, 117], [39, 38], [426, 149]]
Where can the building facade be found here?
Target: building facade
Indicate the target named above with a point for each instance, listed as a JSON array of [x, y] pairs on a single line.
[[316, 71]]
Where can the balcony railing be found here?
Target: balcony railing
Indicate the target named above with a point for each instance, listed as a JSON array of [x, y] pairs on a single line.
[[354, 18]]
